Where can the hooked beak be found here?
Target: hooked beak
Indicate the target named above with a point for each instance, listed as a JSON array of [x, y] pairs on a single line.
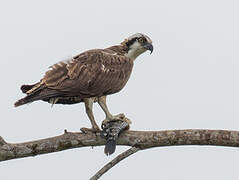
[[149, 47]]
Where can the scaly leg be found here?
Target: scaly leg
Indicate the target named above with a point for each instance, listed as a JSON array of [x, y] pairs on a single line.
[[109, 116], [88, 108]]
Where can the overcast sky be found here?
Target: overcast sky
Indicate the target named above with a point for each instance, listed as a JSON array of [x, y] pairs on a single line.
[[190, 81]]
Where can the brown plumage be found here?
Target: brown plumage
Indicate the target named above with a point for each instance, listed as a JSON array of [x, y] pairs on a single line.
[[93, 73], [89, 77]]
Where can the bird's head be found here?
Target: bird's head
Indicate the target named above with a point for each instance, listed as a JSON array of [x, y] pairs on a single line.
[[137, 44]]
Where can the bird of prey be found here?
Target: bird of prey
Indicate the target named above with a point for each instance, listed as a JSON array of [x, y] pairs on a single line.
[[89, 77]]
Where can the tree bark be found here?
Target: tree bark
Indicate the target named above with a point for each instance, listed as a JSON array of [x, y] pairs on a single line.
[[139, 139]]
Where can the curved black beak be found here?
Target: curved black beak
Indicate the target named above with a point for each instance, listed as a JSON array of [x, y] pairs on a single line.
[[149, 47]]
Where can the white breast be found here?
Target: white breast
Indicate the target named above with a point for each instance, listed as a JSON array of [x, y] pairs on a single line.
[[135, 50]]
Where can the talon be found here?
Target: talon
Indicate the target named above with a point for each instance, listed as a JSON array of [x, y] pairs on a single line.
[[119, 117], [122, 116], [127, 120]]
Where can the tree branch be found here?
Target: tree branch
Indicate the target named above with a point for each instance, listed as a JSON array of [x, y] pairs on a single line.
[[139, 139], [115, 161]]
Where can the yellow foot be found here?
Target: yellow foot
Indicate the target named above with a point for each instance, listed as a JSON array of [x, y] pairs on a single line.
[[119, 117]]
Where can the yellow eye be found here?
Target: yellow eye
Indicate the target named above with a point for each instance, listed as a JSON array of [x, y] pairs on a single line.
[[141, 40]]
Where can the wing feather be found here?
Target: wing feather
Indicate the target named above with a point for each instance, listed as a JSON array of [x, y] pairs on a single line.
[[93, 73]]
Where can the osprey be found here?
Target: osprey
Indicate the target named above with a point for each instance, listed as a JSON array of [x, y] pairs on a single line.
[[89, 77]]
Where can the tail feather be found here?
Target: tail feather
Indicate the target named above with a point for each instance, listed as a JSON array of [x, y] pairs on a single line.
[[38, 95], [28, 99], [22, 102], [25, 88]]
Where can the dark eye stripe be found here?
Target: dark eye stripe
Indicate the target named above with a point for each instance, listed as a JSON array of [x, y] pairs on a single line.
[[130, 42]]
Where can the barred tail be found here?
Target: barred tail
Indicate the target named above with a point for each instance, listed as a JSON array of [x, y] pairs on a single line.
[[110, 146]]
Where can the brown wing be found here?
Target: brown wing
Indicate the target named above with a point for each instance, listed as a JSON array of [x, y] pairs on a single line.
[[90, 74]]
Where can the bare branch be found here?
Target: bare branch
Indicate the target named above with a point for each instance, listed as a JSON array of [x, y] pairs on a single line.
[[115, 161], [139, 139]]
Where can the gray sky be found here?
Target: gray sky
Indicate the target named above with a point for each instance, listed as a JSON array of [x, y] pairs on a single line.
[[190, 81]]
